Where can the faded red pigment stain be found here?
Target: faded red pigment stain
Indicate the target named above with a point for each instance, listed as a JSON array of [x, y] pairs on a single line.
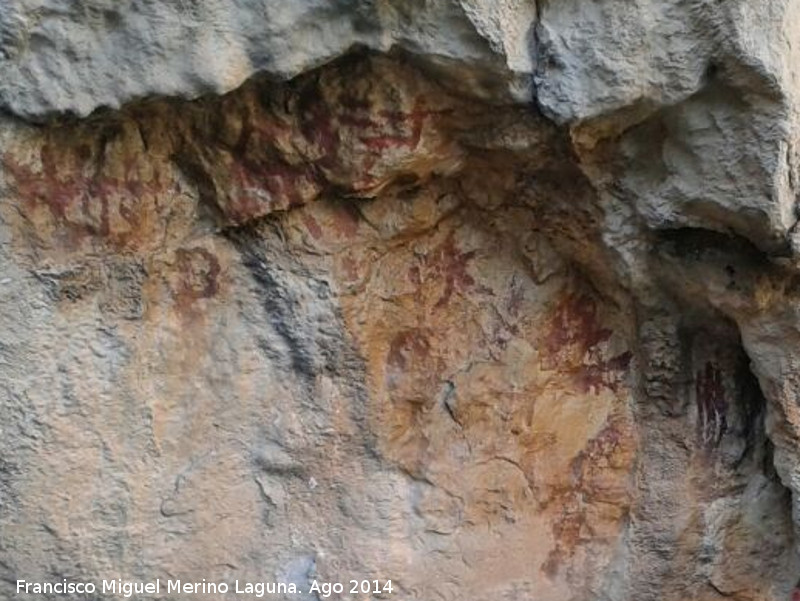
[[319, 128], [198, 272], [341, 222], [407, 347], [567, 533], [379, 131], [46, 188], [392, 129], [574, 323], [410, 372], [607, 374], [572, 342], [260, 188], [260, 128], [264, 182], [261, 179], [346, 221], [415, 275], [312, 225], [599, 453], [610, 449], [82, 204], [350, 269], [449, 264], [711, 404]]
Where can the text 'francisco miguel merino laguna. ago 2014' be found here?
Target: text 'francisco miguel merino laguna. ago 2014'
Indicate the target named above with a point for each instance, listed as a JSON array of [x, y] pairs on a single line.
[[127, 589]]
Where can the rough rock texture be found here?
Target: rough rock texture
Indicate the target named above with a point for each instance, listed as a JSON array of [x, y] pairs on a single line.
[[499, 300]]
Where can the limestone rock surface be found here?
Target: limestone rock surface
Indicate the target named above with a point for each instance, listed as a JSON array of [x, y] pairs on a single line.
[[497, 300]]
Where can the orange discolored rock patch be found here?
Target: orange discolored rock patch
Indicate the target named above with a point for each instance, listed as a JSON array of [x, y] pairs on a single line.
[[508, 395]]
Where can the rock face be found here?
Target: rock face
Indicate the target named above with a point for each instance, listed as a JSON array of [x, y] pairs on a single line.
[[496, 300]]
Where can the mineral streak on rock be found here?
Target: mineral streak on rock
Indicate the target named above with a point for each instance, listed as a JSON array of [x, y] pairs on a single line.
[[497, 300]]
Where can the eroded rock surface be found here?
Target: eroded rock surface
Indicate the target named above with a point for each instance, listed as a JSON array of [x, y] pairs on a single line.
[[497, 300]]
